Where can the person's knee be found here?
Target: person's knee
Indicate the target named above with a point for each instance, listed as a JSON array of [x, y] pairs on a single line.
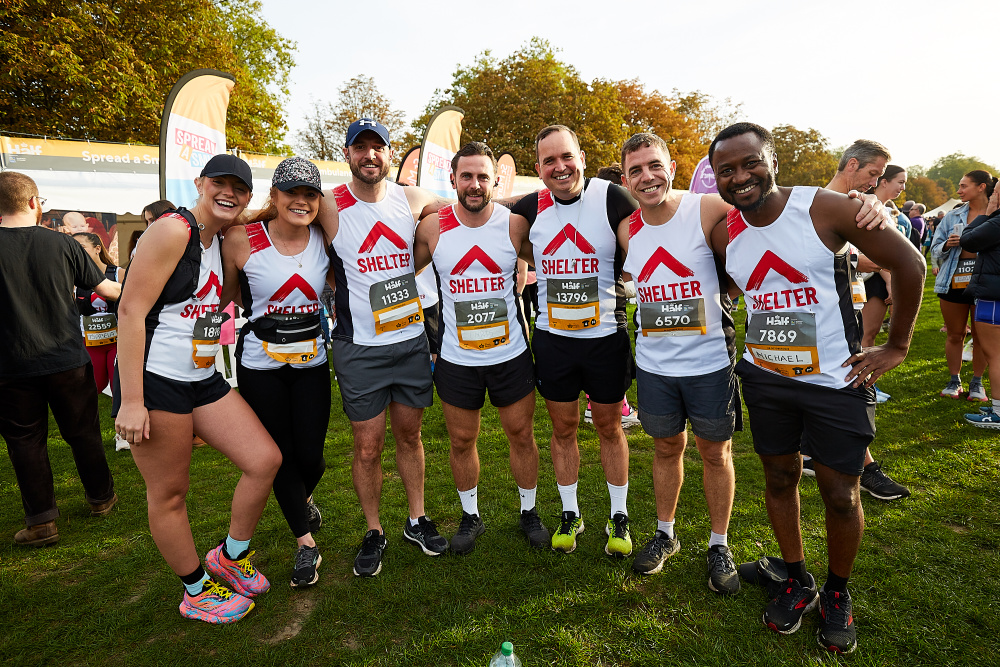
[[168, 497], [368, 452], [842, 500], [956, 337], [781, 477], [670, 448], [716, 454]]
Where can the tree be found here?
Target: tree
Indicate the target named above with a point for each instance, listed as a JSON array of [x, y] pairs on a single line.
[[804, 157], [953, 167], [326, 126], [102, 69], [711, 115], [924, 191]]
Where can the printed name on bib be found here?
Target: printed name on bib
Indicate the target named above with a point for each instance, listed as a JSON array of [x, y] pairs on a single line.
[[482, 324], [100, 329], [395, 303], [205, 342], [963, 273], [573, 303], [685, 317], [785, 344]]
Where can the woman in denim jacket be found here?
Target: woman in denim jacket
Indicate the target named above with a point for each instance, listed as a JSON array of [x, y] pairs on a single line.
[[956, 270]]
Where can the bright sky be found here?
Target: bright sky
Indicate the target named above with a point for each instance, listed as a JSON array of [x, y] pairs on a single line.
[[921, 77]]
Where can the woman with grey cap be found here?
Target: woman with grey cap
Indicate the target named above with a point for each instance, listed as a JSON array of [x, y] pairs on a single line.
[[167, 386], [279, 262]]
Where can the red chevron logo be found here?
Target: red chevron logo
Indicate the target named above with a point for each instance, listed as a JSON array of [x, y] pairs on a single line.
[[380, 230], [634, 223], [447, 219], [544, 200], [661, 256], [210, 284], [771, 262], [344, 197], [296, 282], [476, 254], [568, 233], [735, 223], [257, 237]]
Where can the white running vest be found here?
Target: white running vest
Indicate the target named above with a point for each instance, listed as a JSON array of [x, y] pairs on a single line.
[[677, 288], [801, 320], [377, 299], [478, 271], [274, 283], [172, 343], [574, 250]]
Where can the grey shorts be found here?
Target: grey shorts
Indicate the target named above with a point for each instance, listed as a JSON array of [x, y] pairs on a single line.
[[372, 376], [711, 402]]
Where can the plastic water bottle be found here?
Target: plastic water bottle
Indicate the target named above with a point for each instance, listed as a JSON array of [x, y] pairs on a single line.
[[505, 657]]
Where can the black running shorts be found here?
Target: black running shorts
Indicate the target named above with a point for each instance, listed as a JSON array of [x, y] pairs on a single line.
[[601, 367], [160, 393], [465, 386]]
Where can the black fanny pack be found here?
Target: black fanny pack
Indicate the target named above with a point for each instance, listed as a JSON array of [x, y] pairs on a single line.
[[282, 329]]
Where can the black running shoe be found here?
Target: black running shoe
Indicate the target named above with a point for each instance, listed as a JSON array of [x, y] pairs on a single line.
[[784, 613], [306, 572], [836, 624], [469, 529], [880, 485], [368, 562], [533, 528], [769, 572], [651, 557], [313, 516], [425, 535], [722, 577]]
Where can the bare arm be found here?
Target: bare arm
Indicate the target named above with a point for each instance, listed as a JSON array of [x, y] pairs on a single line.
[[235, 252], [109, 289], [525, 250], [425, 240], [328, 217], [424, 202]]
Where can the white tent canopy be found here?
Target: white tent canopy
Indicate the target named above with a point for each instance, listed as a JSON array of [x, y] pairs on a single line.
[[943, 208]]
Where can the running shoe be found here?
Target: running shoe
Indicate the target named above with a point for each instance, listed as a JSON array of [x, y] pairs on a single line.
[[881, 396], [619, 539], [880, 485], [121, 444], [967, 351], [313, 516], [425, 535], [368, 562], [722, 576], [630, 416], [769, 572], [565, 538], [534, 529], [215, 604], [654, 553], [588, 415], [836, 624], [952, 390], [977, 393], [307, 562], [987, 418], [469, 529], [240, 574], [807, 467], [784, 612]]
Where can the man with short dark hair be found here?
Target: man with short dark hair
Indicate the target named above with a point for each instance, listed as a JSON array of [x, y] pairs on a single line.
[[43, 362], [787, 250]]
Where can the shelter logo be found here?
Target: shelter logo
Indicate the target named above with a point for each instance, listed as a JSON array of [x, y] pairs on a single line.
[[211, 284], [771, 262], [661, 256], [476, 254], [568, 233], [380, 230], [296, 282]]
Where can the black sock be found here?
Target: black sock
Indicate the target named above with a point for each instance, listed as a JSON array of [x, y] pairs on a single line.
[[194, 577], [797, 571], [835, 583]]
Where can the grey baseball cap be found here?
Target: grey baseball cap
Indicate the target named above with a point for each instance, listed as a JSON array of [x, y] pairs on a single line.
[[295, 171]]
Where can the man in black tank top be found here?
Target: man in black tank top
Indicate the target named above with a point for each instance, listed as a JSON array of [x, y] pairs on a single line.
[[43, 362]]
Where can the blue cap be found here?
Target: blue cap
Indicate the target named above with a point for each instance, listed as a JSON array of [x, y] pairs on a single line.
[[367, 125]]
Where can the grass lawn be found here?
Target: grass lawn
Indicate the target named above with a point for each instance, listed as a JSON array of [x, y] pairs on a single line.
[[922, 583]]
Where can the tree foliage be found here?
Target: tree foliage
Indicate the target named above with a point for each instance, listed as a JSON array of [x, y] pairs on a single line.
[[804, 156], [506, 103], [924, 191], [326, 126], [102, 69], [953, 167]]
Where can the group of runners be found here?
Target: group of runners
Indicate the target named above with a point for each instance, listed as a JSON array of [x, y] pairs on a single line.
[[806, 380]]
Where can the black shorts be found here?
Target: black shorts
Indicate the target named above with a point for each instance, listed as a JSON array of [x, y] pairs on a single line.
[[602, 367], [160, 393], [957, 295], [834, 426], [432, 324], [465, 386], [711, 402], [875, 288]]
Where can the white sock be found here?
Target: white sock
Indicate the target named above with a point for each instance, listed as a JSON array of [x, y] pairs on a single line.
[[996, 404], [619, 495], [718, 540], [666, 527], [527, 498], [414, 522], [568, 495], [470, 500]]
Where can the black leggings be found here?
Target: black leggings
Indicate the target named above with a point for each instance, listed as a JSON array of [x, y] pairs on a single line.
[[293, 404]]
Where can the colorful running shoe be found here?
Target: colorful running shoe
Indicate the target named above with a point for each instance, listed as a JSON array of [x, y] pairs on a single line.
[[987, 418], [619, 538], [565, 538], [976, 393], [952, 390], [240, 574], [215, 604]]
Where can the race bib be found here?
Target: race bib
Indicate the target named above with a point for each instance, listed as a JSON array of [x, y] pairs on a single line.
[[785, 344], [482, 324], [205, 342], [684, 317], [100, 329], [395, 303], [963, 273], [291, 353], [573, 303]]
